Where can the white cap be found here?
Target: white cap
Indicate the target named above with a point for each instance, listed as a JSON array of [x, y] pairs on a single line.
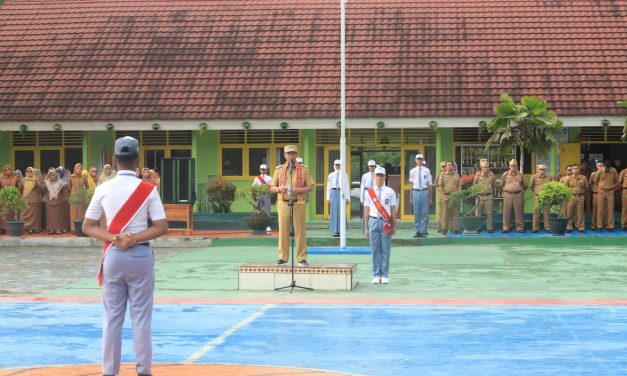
[[299, 160], [419, 156], [372, 163], [337, 161], [379, 170], [264, 166]]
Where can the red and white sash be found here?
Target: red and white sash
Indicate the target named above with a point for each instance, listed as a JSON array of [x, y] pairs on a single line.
[[124, 216], [377, 204], [263, 181]]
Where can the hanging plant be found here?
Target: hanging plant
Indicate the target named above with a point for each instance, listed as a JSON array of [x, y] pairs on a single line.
[[284, 125], [338, 124], [380, 125], [56, 127], [109, 126], [483, 125], [605, 123], [433, 124], [246, 124], [202, 127], [156, 126], [23, 128]]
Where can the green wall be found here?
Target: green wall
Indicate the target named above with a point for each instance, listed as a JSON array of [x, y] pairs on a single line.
[[308, 153], [94, 144], [6, 149]]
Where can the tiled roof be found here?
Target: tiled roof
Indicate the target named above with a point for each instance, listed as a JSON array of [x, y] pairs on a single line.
[[185, 59]]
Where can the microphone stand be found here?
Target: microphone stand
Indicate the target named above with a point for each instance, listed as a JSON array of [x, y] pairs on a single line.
[[291, 203]]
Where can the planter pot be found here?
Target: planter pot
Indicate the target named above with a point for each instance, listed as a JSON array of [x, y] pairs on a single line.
[[558, 226], [15, 228], [471, 224], [258, 223], [79, 228]]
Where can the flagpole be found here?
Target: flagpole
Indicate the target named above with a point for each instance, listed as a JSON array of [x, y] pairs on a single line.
[[343, 191]]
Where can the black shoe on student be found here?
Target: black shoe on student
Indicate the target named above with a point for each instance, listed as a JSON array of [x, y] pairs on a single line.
[[280, 262], [303, 263], [417, 235], [444, 232], [582, 231], [336, 235]]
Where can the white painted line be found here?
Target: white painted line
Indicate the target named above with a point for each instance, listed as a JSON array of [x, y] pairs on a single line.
[[222, 337]]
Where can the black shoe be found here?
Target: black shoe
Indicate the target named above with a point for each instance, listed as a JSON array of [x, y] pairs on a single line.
[[303, 263], [280, 262], [520, 231], [444, 232], [534, 231], [569, 231], [490, 231], [144, 374], [457, 232], [582, 231], [336, 235], [426, 233], [506, 231], [417, 235], [610, 230]]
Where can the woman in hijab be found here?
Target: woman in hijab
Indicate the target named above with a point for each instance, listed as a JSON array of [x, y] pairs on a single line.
[[7, 179], [77, 181], [149, 176], [63, 176], [107, 174], [55, 191], [92, 178], [33, 190]]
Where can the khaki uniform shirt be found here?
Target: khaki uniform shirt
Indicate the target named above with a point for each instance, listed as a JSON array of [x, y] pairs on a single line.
[[307, 181], [450, 182], [593, 185], [537, 182], [623, 178], [513, 182], [487, 182], [606, 180], [578, 184]]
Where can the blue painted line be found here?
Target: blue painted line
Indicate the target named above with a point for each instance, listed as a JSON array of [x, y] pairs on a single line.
[[338, 251], [368, 340]]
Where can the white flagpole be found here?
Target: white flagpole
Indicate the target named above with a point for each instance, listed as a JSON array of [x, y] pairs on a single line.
[[343, 192]]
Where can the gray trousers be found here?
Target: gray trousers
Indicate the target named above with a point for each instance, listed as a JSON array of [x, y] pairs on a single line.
[[267, 203], [380, 244], [129, 278]]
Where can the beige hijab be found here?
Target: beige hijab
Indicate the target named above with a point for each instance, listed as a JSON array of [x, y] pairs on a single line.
[[29, 181], [104, 176]]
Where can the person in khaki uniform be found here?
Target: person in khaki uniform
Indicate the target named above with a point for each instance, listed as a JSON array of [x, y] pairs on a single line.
[[578, 185], [536, 183], [292, 182], [605, 180], [437, 187], [595, 190], [487, 181], [622, 181], [449, 182], [513, 185]]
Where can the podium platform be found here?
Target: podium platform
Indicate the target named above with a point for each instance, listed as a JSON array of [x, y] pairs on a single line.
[[266, 276]]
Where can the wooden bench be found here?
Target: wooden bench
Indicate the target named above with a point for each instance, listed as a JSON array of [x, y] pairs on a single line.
[[180, 213]]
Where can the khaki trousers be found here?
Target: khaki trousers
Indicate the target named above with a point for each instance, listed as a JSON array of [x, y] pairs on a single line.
[[515, 203], [485, 205], [574, 213], [623, 217], [605, 208], [535, 223], [593, 225], [448, 216], [300, 235]]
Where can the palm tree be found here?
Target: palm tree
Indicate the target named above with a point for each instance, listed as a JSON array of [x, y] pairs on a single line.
[[527, 125]]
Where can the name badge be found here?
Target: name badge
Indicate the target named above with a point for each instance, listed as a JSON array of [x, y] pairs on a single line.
[[387, 201]]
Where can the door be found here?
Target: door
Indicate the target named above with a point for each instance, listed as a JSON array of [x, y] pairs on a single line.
[[408, 162], [152, 158], [50, 158], [24, 159]]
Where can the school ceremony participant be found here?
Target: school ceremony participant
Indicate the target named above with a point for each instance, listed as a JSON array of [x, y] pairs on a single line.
[[367, 181], [33, 190], [605, 179], [126, 271], [292, 182], [513, 185], [449, 182], [380, 209], [578, 185], [334, 185], [537, 181], [264, 179], [486, 180], [422, 195]]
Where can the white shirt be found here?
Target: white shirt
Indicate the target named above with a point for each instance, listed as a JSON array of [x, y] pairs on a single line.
[[420, 177], [367, 181], [266, 177], [333, 182], [386, 196], [111, 195]]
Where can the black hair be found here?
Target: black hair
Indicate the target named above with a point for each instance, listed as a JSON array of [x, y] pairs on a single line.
[[125, 162]]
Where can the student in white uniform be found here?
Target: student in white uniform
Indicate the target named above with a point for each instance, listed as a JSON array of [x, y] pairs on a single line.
[[367, 181], [333, 196], [127, 271], [264, 179], [422, 195]]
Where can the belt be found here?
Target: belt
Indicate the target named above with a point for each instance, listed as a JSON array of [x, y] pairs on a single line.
[[335, 189], [513, 193], [485, 194], [420, 190], [372, 216], [577, 194], [145, 244]]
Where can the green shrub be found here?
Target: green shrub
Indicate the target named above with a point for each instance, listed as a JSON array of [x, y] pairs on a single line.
[[11, 200], [253, 194], [220, 196], [554, 195]]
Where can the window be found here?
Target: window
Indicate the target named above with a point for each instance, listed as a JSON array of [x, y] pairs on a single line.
[[232, 162], [256, 157]]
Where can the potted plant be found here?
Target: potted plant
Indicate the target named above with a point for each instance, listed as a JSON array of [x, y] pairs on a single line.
[[468, 221], [11, 204], [554, 195], [81, 197], [259, 220], [220, 196]]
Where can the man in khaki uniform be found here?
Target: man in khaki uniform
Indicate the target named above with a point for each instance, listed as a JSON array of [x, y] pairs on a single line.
[[578, 185], [513, 185], [605, 180], [292, 182], [622, 181], [437, 187], [536, 183], [595, 190], [449, 182], [487, 181]]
